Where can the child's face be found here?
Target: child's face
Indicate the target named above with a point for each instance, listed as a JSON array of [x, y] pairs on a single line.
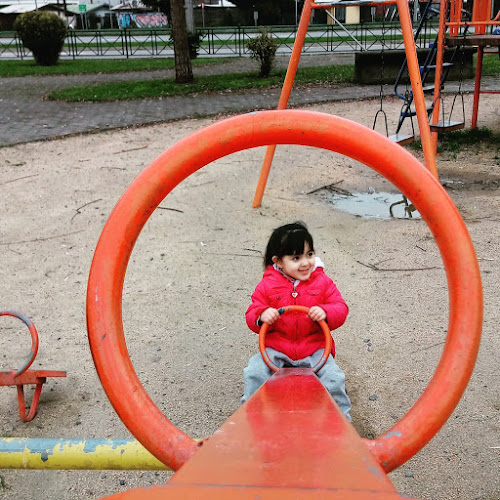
[[298, 267]]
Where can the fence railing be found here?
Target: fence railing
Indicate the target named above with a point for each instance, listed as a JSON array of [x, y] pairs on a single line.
[[221, 42]]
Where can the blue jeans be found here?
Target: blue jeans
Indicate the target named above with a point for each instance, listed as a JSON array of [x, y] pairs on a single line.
[[331, 376]]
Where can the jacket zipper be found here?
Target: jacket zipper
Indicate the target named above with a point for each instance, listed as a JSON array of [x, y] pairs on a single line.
[[296, 319]]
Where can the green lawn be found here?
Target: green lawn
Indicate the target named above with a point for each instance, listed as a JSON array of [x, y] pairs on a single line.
[[491, 64], [86, 66], [166, 87], [202, 84]]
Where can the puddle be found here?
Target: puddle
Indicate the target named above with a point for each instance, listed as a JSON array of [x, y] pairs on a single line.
[[372, 205]]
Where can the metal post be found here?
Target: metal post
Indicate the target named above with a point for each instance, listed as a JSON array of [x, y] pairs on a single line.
[[416, 11], [76, 454], [300, 36], [438, 72], [477, 86], [416, 85], [188, 4]]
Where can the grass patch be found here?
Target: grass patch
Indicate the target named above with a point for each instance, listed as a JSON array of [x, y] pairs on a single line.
[[454, 142], [202, 84], [491, 65], [92, 66]]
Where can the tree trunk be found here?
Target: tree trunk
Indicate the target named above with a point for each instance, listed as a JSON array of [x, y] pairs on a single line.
[[183, 69]]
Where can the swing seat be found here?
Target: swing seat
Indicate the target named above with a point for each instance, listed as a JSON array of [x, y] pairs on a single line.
[[402, 139], [433, 66], [413, 112], [425, 89], [446, 126]]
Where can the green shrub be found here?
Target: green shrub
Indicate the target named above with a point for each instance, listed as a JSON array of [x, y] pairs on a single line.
[[43, 33], [194, 43], [263, 48]]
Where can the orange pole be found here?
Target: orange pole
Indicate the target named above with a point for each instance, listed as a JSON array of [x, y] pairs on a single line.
[[477, 87], [439, 71], [490, 22], [481, 12], [416, 85], [285, 95], [455, 16]]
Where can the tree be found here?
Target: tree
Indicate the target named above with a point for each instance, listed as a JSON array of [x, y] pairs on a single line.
[[43, 33], [183, 69], [176, 15]]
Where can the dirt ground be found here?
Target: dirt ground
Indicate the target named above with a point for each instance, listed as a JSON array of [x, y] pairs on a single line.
[[189, 282]]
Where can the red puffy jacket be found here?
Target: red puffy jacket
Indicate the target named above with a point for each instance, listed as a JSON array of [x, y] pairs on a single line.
[[294, 333]]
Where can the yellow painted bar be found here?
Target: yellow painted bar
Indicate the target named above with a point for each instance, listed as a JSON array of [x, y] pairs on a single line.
[[99, 454]]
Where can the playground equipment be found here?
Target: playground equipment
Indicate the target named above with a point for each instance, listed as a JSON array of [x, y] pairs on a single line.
[[23, 376], [76, 454], [413, 68], [432, 10], [289, 439], [324, 327], [481, 21], [428, 128]]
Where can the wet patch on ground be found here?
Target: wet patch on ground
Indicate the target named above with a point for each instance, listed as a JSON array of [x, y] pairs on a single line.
[[370, 204]]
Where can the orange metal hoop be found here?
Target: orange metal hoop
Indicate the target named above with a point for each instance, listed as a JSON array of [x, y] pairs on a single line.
[[104, 294], [324, 327], [34, 339]]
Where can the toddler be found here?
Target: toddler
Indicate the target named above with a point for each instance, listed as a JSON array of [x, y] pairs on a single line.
[[294, 276]]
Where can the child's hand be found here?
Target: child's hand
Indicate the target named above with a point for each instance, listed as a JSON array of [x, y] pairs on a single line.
[[270, 315], [316, 313]]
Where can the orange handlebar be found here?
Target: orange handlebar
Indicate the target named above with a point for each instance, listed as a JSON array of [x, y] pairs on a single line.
[[324, 326]]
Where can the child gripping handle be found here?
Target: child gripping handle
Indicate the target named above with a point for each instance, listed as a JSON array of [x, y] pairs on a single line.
[[293, 275]]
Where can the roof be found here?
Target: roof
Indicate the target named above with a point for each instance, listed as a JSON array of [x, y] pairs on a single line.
[[130, 5], [225, 4], [21, 8], [90, 7]]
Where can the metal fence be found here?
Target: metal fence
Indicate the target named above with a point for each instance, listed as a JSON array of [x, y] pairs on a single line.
[[221, 42]]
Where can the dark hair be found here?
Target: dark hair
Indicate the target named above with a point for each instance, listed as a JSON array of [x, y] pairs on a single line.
[[289, 239]]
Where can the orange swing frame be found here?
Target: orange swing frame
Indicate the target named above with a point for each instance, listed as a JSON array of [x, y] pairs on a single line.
[[481, 19], [413, 69]]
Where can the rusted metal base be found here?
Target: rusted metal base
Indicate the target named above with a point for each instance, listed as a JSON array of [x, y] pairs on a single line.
[[290, 440], [29, 377], [23, 376]]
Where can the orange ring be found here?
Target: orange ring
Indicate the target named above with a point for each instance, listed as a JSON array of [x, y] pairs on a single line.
[[34, 339], [105, 287], [326, 331]]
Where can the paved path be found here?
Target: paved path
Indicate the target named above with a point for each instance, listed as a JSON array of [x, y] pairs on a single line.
[[25, 116]]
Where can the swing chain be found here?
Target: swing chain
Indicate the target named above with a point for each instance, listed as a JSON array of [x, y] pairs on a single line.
[[409, 208], [381, 91], [461, 75]]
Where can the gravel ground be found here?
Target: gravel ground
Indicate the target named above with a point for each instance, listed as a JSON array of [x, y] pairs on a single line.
[[189, 282]]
